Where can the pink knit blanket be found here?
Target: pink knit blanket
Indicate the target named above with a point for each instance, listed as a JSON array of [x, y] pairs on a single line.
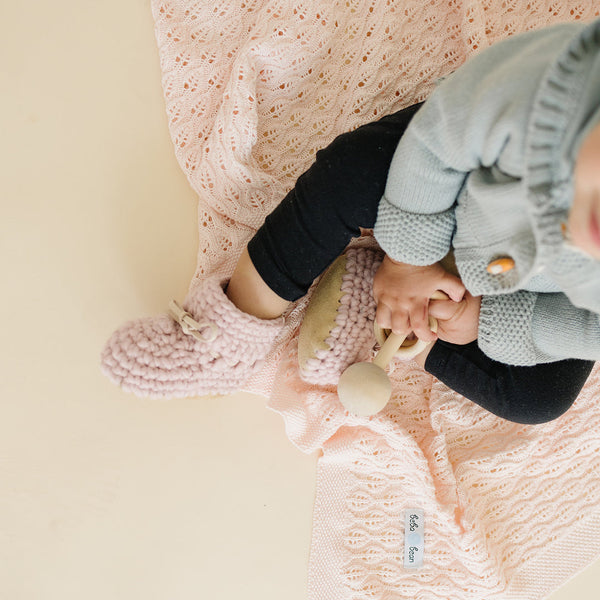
[[253, 89]]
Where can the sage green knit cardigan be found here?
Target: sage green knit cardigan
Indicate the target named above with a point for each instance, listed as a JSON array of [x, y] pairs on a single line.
[[486, 168]]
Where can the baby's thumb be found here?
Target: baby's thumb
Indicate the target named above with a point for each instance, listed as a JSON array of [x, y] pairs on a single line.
[[453, 287], [442, 309]]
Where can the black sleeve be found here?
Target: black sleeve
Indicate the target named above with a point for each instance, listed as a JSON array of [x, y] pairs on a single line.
[[528, 395], [338, 194]]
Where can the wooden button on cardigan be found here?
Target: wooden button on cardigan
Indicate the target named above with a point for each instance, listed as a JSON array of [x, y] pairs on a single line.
[[500, 265]]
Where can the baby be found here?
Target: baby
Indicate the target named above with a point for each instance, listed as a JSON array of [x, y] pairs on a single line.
[[501, 166]]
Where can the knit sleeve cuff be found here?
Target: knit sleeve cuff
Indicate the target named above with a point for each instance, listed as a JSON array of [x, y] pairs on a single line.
[[416, 239], [505, 329], [565, 331]]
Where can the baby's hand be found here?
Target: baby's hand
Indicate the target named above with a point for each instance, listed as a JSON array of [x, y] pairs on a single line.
[[402, 294], [458, 323]]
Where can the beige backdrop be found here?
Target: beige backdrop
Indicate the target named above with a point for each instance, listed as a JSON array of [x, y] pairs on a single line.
[[102, 495]]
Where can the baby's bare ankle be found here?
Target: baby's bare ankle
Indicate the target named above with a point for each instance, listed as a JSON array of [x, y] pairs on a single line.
[[248, 291]]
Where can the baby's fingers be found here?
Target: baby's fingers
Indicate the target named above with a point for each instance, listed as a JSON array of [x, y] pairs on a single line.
[[383, 316], [443, 309], [396, 321], [400, 323], [419, 322], [453, 287]]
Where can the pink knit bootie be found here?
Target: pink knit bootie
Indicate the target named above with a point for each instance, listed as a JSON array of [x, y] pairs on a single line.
[[207, 347], [337, 330]]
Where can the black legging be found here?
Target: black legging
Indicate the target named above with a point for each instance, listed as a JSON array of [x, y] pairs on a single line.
[[331, 201]]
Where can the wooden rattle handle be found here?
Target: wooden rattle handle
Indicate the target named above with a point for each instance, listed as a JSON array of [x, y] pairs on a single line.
[[389, 349]]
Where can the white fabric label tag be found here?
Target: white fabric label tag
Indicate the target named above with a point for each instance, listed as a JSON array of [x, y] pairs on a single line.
[[414, 538]]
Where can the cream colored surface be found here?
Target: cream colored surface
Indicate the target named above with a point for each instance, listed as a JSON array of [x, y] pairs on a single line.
[[102, 495]]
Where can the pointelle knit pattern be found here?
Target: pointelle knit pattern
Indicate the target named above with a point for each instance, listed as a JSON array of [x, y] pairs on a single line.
[[253, 89]]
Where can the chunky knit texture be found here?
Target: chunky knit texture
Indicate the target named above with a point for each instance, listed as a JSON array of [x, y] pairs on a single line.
[[153, 356], [351, 337], [252, 90], [492, 329], [423, 250]]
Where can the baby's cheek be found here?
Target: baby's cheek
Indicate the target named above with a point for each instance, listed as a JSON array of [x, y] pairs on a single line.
[[587, 163], [583, 231]]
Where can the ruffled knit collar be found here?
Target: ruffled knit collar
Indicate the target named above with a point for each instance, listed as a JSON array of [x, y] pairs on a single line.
[[557, 124]]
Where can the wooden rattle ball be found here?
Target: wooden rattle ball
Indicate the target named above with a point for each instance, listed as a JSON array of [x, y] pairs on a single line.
[[364, 389]]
